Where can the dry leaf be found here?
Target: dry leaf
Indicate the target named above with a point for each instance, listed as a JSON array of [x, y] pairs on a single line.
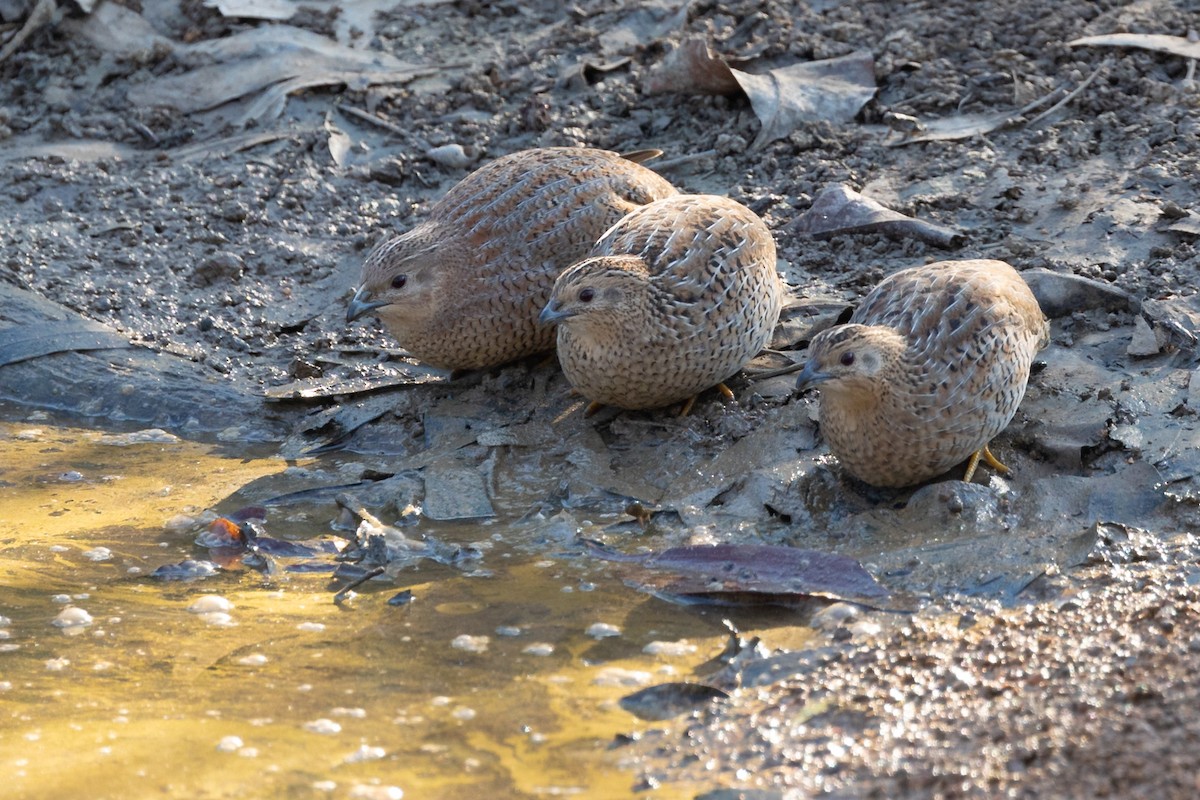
[[691, 68], [840, 209], [833, 90]]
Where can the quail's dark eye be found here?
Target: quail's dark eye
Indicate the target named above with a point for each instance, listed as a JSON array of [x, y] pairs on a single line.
[[586, 295], [847, 358], [399, 281]]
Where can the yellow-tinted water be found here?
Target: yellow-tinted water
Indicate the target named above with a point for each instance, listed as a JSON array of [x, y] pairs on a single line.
[[323, 701]]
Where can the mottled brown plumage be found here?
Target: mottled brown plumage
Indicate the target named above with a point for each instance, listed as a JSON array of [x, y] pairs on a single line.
[[462, 290], [674, 299], [931, 366]]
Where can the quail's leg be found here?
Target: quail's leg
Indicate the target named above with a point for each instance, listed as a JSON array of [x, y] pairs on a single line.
[[592, 408], [725, 391], [986, 454]]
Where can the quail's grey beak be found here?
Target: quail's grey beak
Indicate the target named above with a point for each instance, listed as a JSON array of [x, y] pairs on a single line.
[[810, 376], [361, 304], [552, 313]]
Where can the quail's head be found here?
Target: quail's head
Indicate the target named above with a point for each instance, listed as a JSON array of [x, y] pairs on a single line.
[[402, 283], [851, 359], [600, 294]]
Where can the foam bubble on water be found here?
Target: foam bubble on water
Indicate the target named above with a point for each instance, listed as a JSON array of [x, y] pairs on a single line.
[[311, 627], [463, 713], [98, 554], [356, 713], [539, 649], [616, 676], [324, 786], [508, 630], [670, 649], [61, 599], [230, 744], [58, 548], [471, 644], [253, 660], [57, 664], [323, 726], [602, 630], [72, 617], [364, 791], [206, 604], [365, 753]]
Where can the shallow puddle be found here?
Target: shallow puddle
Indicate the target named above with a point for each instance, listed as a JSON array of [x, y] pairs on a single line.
[[486, 685]]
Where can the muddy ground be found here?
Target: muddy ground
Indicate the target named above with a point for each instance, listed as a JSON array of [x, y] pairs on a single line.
[[1057, 635]]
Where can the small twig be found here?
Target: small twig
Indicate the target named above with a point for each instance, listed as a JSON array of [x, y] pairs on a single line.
[[1071, 95], [367, 116], [41, 14], [354, 584], [755, 377], [679, 161]]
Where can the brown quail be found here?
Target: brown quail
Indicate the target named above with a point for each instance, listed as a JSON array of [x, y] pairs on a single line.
[[931, 366], [673, 300], [462, 290]]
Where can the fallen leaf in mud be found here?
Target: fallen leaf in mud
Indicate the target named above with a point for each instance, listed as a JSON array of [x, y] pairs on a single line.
[[1175, 45], [784, 98], [75, 334], [1061, 294], [691, 68], [752, 574], [834, 90], [668, 700], [840, 209], [271, 60], [963, 126]]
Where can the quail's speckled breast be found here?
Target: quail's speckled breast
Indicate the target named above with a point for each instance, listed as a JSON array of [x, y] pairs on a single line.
[[462, 290], [673, 300], [931, 366]]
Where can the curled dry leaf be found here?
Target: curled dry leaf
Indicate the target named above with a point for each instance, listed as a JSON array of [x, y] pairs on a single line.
[[784, 98], [692, 68], [840, 209]]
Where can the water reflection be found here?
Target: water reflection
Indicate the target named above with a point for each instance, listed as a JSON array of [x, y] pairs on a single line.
[[501, 682]]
